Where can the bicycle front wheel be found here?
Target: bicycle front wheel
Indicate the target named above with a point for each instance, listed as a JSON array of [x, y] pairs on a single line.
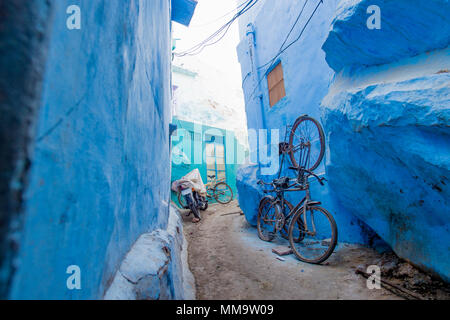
[[223, 193], [287, 208], [306, 143], [285, 230], [319, 235]]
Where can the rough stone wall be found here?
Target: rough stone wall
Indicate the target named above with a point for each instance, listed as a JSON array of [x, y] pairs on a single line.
[[387, 120], [100, 168]]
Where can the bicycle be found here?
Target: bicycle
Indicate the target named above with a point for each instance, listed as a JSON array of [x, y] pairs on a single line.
[[303, 138], [302, 226], [215, 189], [219, 190]]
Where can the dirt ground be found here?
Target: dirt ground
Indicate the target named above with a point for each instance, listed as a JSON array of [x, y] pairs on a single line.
[[230, 262]]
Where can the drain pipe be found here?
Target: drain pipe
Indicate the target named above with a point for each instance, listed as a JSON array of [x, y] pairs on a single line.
[[257, 94]]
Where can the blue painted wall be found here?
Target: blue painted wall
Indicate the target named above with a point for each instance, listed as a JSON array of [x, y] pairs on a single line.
[[306, 77], [100, 171]]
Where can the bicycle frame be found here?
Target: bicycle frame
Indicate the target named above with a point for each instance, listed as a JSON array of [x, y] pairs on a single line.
[[301, 206], [284, 152], [304, 158]]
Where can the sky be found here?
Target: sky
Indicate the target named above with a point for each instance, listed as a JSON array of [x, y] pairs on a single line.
[[206, 20], [217, 65]]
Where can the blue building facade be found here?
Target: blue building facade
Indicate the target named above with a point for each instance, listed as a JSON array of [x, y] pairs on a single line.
[[99, 153], [383, 98]]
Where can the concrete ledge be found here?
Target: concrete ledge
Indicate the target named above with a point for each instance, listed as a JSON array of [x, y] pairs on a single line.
[[156, 267]]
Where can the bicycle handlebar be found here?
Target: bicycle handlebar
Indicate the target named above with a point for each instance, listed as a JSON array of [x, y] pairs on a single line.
[[274, 186], [296, 181], [317, 177], [310, 173]]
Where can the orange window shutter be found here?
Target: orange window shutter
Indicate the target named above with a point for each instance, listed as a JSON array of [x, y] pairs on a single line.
[[275, 82]]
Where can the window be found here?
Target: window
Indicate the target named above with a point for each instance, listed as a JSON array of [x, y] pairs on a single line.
[[275, 81]]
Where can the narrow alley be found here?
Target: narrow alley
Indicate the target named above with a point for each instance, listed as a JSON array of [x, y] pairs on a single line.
[[203, 150]]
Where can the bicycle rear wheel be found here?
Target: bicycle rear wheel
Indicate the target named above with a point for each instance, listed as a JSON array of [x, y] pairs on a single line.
[[266, 220], [315, 247], [223, 193], [306, 143]]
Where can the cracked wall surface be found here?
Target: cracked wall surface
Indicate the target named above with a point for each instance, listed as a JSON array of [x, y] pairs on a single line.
[[23, 47], [387, 121]]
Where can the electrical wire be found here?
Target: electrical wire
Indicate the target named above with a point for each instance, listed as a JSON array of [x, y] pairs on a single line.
[[304, 28], [272, 61], [199, 47], [284, 42], [219, 34], [287, 37], [218, 18]]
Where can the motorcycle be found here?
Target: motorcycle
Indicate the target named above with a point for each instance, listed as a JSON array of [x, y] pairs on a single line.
[[190, 199], [191, 193]]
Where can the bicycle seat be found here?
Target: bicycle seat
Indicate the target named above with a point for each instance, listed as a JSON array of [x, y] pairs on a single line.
[[282, 182], [212, 177], [283, 147]]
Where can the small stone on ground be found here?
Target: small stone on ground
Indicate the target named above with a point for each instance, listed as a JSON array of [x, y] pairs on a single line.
[[282, 250]]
